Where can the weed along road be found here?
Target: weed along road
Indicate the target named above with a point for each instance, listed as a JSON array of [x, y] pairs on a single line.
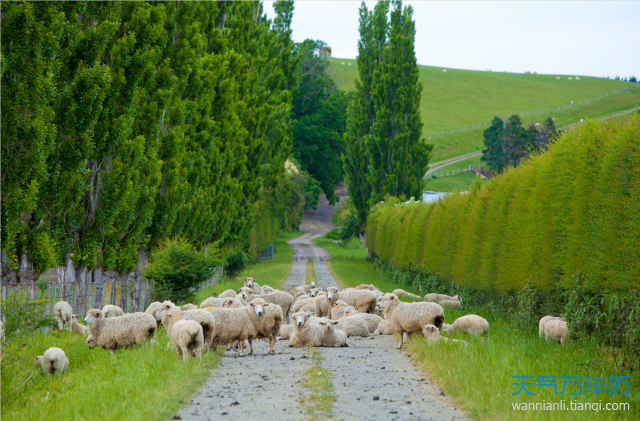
[[369, 380]]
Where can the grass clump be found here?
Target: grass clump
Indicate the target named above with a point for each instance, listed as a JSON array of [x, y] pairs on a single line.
[[311, 272], [319, 404]]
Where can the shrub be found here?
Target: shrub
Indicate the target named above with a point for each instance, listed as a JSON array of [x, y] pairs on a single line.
[[333, 235], [23, 315], [179, 269], [235, 262]]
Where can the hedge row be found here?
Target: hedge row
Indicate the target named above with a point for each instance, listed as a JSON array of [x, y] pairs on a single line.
[[263, 233], [566, 217]]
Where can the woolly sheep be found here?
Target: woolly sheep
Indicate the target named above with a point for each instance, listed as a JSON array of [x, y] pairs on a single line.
[[577, 78], [76, 327], [410, 317], [384, 328], [339, 308], [266, 289], [324, 303], [444, 70], [313, 292], [450, 303], [53, 362], [232, 303], [432, 333], [569, 79], [401, 292], [331, 335], [470, 324], [228, 293], [112, 311], [436, 298], [127, 330], [301, 303], [364, 301], [212, 302], [206, 320], [280, 298], [353, 326], [248, 291], [305, 334], [371, 319], [185, 335], [342, 63], [251, 283], [62, 311], [238, 324], [285, 331], [544, 321], [349, 64], [558, 77], [189, 306], [556, 330], [271, 323], [153, 308]]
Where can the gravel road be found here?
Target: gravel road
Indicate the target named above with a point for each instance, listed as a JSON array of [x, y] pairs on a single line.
[[372, 380]]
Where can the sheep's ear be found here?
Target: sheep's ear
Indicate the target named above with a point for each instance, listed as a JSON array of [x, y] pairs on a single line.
[[251, 304], [335, 322], [322, 323], [266, 304]]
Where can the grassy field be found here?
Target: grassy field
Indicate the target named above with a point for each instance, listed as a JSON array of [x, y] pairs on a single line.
[[460, 98], [451, 183], [479, 377]]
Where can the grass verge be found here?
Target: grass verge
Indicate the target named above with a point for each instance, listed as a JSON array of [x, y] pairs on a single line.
[[319, 404], [460, 182], [147, 382], [311, 272]]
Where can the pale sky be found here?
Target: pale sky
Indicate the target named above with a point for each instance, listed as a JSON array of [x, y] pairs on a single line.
[[591, 38]]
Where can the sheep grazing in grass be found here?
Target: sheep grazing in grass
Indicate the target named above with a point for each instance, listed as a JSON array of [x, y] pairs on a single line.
[[305, 334], [570, 79], [112, 311], [371, 319], [444, 70], [206, 320], [53, 362], [384, 328], [212, 302], [153, 308], [436, 298], [76, 327], [543, 321], [558, 77], [251, 283], [450, 303], [62, 311], [556, 330], [228, 293], [364, 301], [577, 78], [285, 331], [331, 335], [470, 324], [185, 335], [410, 317], [189, 306], [271, 323], [401, 292], [280, 298], [353, 326], [324, 303], [126, 331], [446, 327], [432, 333]]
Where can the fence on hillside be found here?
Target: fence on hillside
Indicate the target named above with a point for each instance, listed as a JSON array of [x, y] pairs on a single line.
[[536, 112], [450, 173]]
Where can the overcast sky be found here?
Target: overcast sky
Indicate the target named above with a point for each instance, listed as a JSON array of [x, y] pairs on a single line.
[[572, 38]]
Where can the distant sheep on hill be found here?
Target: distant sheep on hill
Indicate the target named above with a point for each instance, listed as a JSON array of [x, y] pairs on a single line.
[[444, 70]]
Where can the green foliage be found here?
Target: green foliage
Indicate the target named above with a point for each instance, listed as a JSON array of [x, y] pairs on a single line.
[[235, 262], [25, 316], [494, 154], [179, 269], [333, 235]]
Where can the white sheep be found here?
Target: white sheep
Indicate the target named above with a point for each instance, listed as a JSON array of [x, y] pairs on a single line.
[[189, 306], [247, 291], [238, 324], [401, 292], [280, 298], [450, 303], [153, 308], [556, 330], [251, 283], [112, 311], [544, 321], [436, 298], [266, 289], [331, 335], [470, 324], [185, 335], [76, 327], [127, 330], [53, 362], [339, 308], [301, 303], [313, 292], [205, 318], [444, 70], [371, 319], [228, 293], [342, 63], [324, 303], [410, 317], [577, 78], [349, 64], [353, 326], [285, 331], [232, 303], [62, 311], [212, 302], [384, 328], [364, 301], [305, 334], [570, 79], [432, 333], [558, 77], [271, 322]]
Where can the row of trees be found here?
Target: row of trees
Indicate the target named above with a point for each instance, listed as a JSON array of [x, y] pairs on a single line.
[[125, 123], [508, 143], [384, 153]]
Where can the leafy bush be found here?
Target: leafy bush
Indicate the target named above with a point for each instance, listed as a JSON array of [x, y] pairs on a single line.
[[179, 269], [23, 315], [333, 235], [235, 262]]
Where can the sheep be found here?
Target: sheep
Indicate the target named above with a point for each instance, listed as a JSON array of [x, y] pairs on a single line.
[[91, 342], [62, 311], [112, 311], [301, 303], [324, 303], [76, 327], [339, 308], [470, 324], [153, 308], [247, 291], [558, 77], [281, 298], [577, 78], [331, 336], [251, 283], [285, 331], [232, 303], [384, 328], [436, 298], [238, 324], [305, 334], [271, 322], [313, 292], [349, 64], [342, 63], [410, 317], [206, 320], [401, 292], [444, 70], [544, 321], [364, 301], [266, 289], [228, 293], [370, 287], [189, 306], [185, 335], [212, 302], [446, 327], [371, 319], [53, 362], [556, 330], [432, 333], [354, 326], [570, 79], [127, 330], [450, 303]]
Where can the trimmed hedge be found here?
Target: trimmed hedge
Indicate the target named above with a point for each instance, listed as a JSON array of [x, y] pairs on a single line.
[[263, 233], [566, 217]]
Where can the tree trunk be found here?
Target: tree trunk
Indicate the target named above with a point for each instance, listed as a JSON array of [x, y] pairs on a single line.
[[24, 272]]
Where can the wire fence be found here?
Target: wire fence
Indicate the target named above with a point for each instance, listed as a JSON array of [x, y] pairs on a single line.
[[536, 112], [451, 173]]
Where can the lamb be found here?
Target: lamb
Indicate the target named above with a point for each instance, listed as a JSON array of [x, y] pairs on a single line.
[[364, 301], [432, 333], [76, 327], [544, 321], [53, 362], [271, 323], [285, 331], [206, 320], [331, 336], [371, 319], [410, 317], [384, 328], [127, 330], [305, 334], [450, 303], [112, 311], [281, 298], [324, 303], [185, 335], [238, 324], [401, 292], [436, 298], [556, 330], [62, 311], [251, 283], [471, 324], [339, 308], [212, 302], [189, 306], [354, 326], [228, 293]]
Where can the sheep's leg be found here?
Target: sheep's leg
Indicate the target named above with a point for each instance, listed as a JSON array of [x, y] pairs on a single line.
[[250, 347], [240, 344], [185, 355], [401, 340], [69, 325], [60, 324], [178, 350], [272, 345], [113, 352], [198, 353]]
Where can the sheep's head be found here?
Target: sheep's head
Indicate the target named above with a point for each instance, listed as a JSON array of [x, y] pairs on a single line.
[[74, 317], [39, 361], [387, 301], [91, 342], [258, 306], [313, 284], [313, 292], [165, 307], [248, 282], [430, 331], [349, 311], [92, 315], [332, 294], [300, 318], [329, 324]]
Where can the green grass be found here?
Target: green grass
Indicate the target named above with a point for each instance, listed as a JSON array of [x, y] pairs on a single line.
[[462, 165], [479, 376], [145, 383], [319, 404], [451, 183], [460, 98], [272, 272], [311, 272]]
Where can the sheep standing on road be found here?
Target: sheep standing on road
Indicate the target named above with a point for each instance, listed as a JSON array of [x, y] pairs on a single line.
[[280, 298], [63, 312], [410, 317], [238, 324], [127, 330], [53, 362], [271, 323]]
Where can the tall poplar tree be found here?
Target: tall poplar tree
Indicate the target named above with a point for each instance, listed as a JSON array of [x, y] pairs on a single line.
[[494, 155]]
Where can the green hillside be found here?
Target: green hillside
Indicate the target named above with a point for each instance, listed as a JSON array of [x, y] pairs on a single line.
[[460, 98]]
